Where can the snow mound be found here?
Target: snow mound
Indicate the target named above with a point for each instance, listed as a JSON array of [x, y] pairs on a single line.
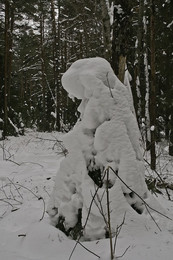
[[106, 137], [24, 237]]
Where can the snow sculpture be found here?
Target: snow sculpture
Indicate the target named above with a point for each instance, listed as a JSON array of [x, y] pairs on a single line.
[[106, 135]]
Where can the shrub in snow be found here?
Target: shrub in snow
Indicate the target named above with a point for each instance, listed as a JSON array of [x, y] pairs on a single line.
[[106, 135]]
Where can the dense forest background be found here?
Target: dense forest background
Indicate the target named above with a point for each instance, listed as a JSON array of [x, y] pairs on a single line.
[[40, 39]]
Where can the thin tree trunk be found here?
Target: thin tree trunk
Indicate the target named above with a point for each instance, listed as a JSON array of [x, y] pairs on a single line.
[[43, 80], [122, 66], [171, 134], [140, 81], [58, 77], [106, 29], [121, 36], [11, 27], [6, 71], [152, 87], [146, 78], [56, 61]]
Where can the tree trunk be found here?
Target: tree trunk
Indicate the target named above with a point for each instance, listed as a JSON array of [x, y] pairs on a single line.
[[11, 27], [122, 65], [43, 73], [6, 71], [121, 36], [171, 134], [146, 77], [139, 64], [56, 60], [152, 87], [58, 77], [106, 29]]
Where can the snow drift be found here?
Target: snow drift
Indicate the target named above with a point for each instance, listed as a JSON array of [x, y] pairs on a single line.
[[106, 136]]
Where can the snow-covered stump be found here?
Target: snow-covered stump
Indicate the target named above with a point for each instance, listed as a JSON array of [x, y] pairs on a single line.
[[106, 136]]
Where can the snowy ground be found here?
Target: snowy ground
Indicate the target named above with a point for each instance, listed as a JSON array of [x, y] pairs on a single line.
[[26, 180]]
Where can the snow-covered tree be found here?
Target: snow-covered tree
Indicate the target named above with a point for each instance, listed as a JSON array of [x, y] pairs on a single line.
[[106, 138]]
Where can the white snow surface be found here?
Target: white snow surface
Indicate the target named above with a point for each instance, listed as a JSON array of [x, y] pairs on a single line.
[[106, 136], [28, 171]]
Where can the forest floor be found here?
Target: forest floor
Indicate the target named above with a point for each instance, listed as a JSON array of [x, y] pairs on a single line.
[[28, 165]]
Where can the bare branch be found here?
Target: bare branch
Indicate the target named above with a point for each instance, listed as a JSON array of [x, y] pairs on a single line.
[[15, 188], [109, 215], [145, 203], [123, 253], [109, 85], [118, 230], [89, 210], [88, 249], [160, 178]]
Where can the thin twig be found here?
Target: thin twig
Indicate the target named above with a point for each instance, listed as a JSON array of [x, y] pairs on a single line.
[[109, 217], [13, 162], [64, 150], [51, 140], [44, 188], [145, 203], [15, 187], [118, 230], [88, 249], [169, 197], [123, 253], [44, 208], [89, 210], [12, 199], [109, 85], [101, 209], [38, 197], [3, 190], [32, 163], [7, 202]]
